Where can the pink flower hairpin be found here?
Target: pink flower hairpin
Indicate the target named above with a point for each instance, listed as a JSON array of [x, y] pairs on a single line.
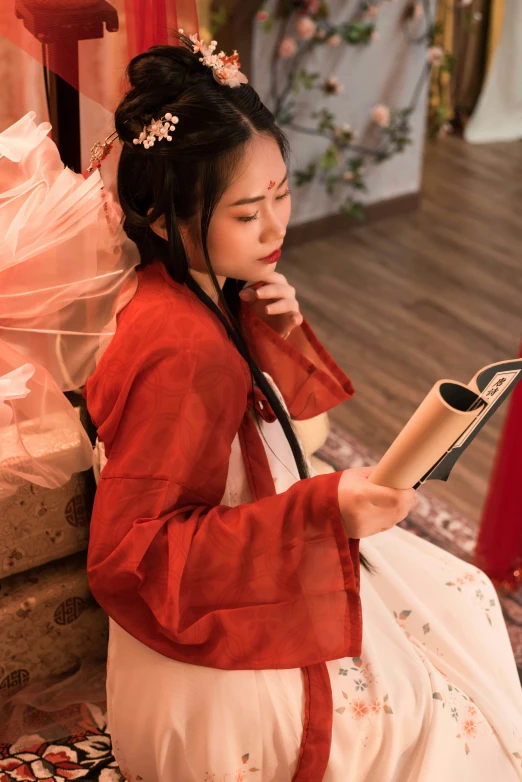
[[225, 69]]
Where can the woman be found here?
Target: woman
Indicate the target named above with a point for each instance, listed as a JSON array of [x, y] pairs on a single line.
[[230, 576]]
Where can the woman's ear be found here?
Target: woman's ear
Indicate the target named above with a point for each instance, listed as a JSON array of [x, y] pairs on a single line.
[[159, 227]]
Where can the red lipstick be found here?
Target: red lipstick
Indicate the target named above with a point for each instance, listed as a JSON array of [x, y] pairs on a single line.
[[272, 258]]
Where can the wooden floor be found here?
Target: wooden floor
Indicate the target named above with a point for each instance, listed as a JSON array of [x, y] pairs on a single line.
[[409, 300]]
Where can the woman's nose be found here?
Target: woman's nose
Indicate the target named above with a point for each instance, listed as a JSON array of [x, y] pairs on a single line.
[[275, 230]]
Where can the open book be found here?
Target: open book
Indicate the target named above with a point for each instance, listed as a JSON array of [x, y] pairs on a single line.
[[443, 426]]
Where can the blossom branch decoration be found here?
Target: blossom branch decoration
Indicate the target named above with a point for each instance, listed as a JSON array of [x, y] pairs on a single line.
[[304, 26], [344, 162]]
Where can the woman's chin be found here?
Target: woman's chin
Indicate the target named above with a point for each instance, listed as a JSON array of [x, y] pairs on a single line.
[[264, 269]]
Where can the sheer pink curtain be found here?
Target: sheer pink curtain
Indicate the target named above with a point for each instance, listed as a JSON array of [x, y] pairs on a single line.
[[100, 80]]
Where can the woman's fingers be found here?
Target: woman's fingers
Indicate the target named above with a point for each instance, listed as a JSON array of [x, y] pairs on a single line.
[[281, 306], [276, 291], [280, 298]]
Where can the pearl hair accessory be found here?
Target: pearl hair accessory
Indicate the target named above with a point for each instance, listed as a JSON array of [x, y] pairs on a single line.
[[158, 129]]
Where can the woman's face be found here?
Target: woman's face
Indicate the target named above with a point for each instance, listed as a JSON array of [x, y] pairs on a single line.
[[249, 222]]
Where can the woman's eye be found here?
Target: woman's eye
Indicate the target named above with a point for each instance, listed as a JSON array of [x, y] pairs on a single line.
[[254, 217]]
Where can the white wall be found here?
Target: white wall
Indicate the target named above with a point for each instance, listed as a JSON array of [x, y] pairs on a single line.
[[385, 71]]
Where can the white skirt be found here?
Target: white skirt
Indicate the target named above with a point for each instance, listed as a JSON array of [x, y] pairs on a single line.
[[435, 696]]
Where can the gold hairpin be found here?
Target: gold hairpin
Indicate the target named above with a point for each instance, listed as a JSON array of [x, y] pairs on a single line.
[[100, 151]]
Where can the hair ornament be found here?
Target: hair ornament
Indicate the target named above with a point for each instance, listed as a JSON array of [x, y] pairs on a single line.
[[157, 130], [225, 69], [100, 151]]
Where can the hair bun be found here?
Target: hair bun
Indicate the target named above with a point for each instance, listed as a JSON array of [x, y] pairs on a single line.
[[162, 68], [161, 71]]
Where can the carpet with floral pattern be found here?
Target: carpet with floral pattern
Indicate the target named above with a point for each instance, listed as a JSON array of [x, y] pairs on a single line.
[[87, 755]]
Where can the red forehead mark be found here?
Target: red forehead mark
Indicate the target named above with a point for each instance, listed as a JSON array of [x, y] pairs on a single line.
[[271, 185]]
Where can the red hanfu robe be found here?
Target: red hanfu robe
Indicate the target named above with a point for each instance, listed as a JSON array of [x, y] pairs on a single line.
[[269, 584]]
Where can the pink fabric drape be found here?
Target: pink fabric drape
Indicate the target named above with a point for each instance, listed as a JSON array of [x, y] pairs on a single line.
[[129, 29], [157, 19], [98, 72]]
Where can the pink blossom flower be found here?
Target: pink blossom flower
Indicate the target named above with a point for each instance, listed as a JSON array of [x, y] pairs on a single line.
[[435, 56], [371, 12], [321, 34], [230, 76], [306, 28], [380, 114], [376, 36], [375, 706], [469, 726], [261, 16], [287, 48], [359, 709], [226, 69], [334, 40]]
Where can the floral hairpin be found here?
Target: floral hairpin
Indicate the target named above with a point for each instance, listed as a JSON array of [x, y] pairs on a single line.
[[225, 69], [158, 129]]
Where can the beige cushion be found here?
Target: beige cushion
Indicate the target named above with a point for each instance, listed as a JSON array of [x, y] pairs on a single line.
[[313, 432], [322, 468]]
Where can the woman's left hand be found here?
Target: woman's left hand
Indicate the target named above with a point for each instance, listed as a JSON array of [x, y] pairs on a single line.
[[275, 303]]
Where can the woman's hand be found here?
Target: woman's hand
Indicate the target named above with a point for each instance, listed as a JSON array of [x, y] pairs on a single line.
[[275, 303], [368, 509]]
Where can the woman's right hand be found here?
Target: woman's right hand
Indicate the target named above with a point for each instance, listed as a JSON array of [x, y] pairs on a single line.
[[366, 508]]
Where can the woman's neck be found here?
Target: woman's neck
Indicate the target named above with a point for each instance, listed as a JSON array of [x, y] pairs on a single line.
[[204, 280]]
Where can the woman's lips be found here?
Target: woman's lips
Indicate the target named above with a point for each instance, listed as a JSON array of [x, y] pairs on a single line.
[[272, 258]]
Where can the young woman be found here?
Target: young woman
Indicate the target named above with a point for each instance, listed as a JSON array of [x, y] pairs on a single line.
[[245, 643]]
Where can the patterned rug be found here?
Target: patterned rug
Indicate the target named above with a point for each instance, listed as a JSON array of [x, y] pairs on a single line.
[[88, 754]]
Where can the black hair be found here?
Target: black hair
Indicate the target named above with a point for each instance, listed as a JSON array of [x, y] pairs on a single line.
[[179, 180]]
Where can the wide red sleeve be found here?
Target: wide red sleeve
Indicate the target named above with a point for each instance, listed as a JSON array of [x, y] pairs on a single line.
[[304, 371], [270, 584]]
